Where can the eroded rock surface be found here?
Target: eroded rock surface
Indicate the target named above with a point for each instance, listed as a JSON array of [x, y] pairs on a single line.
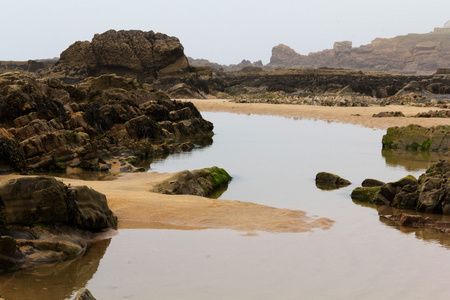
[[133, 53], [48, 125]]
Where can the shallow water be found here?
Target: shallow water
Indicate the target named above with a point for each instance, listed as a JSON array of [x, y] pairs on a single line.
[[273, 161]]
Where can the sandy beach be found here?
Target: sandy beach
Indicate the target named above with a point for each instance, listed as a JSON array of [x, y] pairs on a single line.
[[350, 115], [129, 197]]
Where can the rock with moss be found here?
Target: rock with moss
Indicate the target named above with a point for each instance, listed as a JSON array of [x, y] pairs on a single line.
[[415, 137], [365, 194], [388, 114], [369, 182], [201, 182], [429, 194], [329, 181]]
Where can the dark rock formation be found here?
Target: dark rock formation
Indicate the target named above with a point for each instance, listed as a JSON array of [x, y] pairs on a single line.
[[429, 194], [434, 114], [328, 181], [416, 137], [418, 221], [371, 183], [44, 221], [203, 182], [131, 53], [48, 125], [408, 54], [387, 114], [84, 294]]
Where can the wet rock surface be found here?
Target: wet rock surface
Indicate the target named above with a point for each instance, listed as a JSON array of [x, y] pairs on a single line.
[[329, 181], [48, 125], [44, 221], [429, 194], [415, 137], [203, 182]]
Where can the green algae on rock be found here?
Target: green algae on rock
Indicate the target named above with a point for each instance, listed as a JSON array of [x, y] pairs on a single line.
[[202, 182], [415, 137]]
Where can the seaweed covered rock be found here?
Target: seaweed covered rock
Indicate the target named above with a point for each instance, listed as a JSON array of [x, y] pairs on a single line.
[[416, 137], [44, 221], [429, 194], [329, 181], [48, 125], [201, 182]]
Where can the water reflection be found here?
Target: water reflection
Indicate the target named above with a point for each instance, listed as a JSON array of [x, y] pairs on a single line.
[[56, 281], [411, 160]]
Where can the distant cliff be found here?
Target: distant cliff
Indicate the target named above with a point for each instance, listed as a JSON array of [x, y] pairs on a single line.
[[408, 54]]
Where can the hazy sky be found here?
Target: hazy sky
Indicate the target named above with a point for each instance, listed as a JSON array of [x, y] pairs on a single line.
[[221, 31]]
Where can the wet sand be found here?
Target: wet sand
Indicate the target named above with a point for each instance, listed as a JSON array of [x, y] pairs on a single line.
[[350, 115], [129, 198]]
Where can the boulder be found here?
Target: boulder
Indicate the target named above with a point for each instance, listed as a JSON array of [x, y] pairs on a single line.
[[329, 181], [365, 194], [44, 221], [45, 200], [132, 53], [387, 114], [371, 183], [415, 137], [203, 182]]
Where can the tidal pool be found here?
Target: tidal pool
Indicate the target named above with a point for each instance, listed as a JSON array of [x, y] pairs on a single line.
[[273, 161]]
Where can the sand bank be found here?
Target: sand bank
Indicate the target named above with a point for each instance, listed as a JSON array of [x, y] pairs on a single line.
[[350, 115], [129, 198]]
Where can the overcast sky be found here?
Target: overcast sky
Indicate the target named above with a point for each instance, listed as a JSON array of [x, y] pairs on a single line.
[[220, 31]]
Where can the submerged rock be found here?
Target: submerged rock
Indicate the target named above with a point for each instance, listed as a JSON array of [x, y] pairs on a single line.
[[201, 182], [329, 181]]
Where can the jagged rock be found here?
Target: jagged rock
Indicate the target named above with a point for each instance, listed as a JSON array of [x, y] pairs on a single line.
[[84, 294], [49, 125], [429, 194], [131, 53], [416, 137], [328, 181], [201, 182]]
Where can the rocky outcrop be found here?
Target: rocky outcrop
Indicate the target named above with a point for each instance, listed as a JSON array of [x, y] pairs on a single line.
[[45, 221], [408, 54], [132, 53], [329, 181], [203, 182], [415, 137], [389, 114], [429, 194], [48, 125], [434, 114]]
